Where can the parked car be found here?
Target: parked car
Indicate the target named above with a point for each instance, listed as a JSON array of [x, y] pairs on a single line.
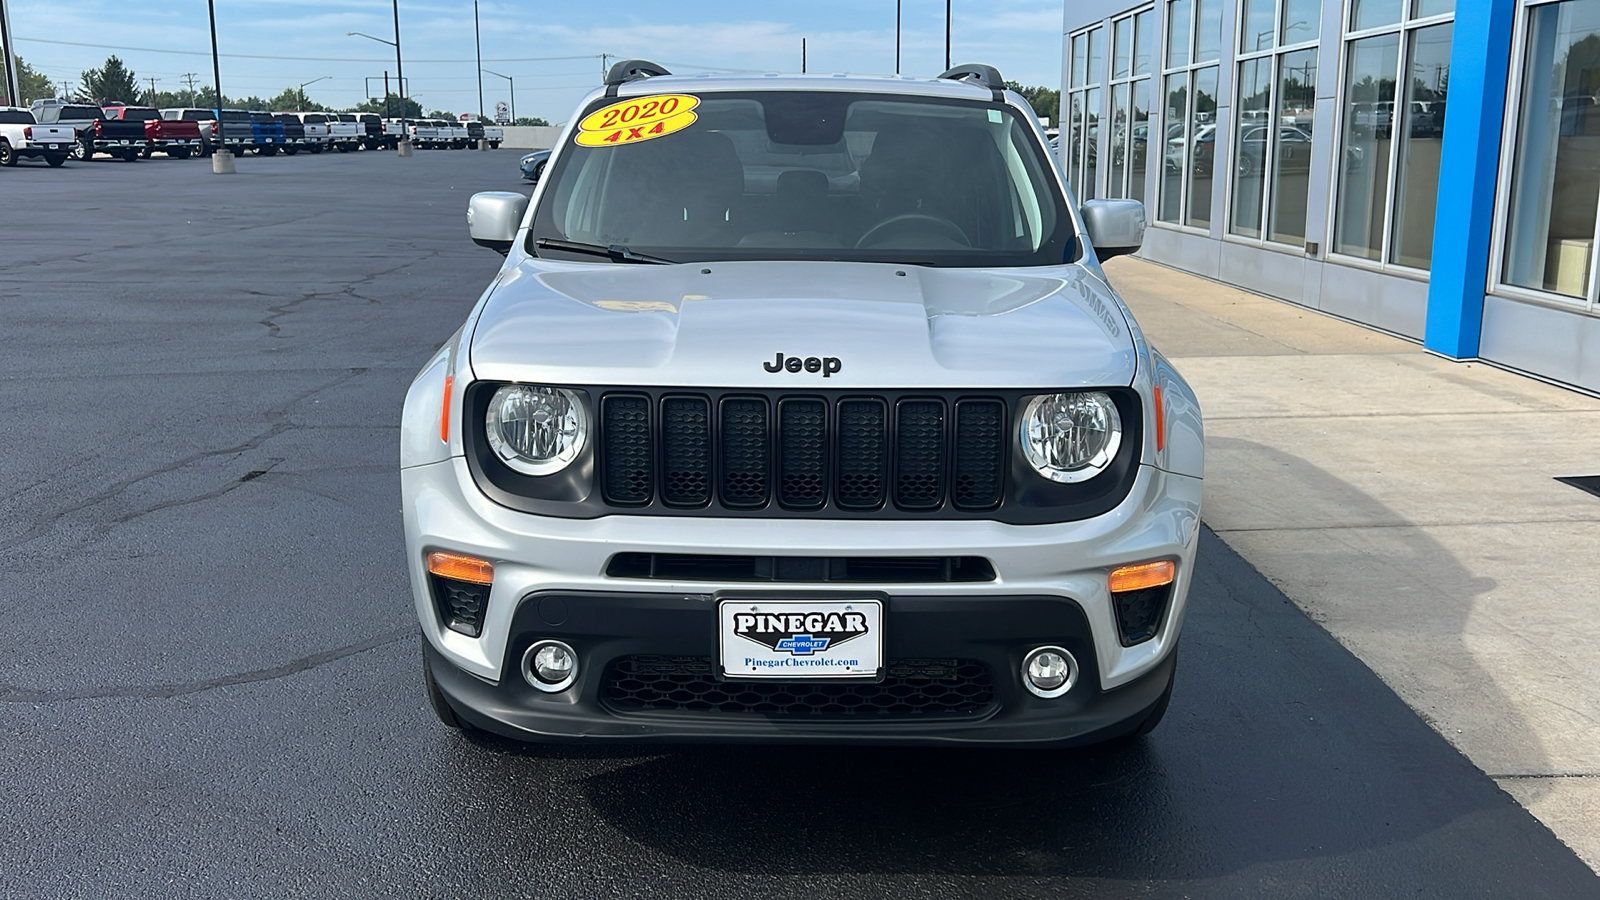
[[178, 140], [294, 133], [475, 133], [316, 129], [372, 131], [204, 119], [532, 165], [495, 136], [96, 133], [22, 137], [266, 133], [345, 133], [978, 484]]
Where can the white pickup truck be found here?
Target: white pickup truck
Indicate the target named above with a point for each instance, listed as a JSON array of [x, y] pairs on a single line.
[[21, 136], [495, 136], [318, 131], [345, 132]]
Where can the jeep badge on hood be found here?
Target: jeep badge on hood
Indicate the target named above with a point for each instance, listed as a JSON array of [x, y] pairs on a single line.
[[827, 365]]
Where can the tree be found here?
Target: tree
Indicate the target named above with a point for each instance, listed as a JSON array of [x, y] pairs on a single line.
[[530, 120], [33, 85], [393, 108], [1045, 101], [295, 99], [113, 82]]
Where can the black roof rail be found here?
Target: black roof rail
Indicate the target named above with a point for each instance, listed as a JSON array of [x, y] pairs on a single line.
[[981, 75], [631, 70]]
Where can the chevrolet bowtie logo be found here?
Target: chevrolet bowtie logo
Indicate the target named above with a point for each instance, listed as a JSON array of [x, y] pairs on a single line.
[[803, 644]]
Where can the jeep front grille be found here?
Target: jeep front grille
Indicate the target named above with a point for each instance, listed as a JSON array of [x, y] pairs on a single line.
[[801, 452]]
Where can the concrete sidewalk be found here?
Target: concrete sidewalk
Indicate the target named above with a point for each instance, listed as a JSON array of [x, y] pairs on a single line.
[[1407, 503]]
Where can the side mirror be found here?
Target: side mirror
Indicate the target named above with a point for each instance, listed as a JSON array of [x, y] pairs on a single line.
[[493, 218], [1116, 227]]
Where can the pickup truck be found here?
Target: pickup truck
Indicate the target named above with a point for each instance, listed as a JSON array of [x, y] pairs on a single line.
[[346, 132], [22, 137], [424, 133], [294, 133], [459, 136], [266, 133], [372, 131], [203, 119], [237, 131], [96, 133], [495, 136], [176, 139]]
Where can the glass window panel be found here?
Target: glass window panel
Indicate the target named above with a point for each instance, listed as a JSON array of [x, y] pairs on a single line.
[[1140, 139], [1074, 145], [1423, 8], [1144, 32], [1368, 116], [1372, 13], [1550, 244], [1291, 148], [1256, 28], [1250, 147], [1097, 57], [1302, 20], [1080, 50], [1091, 146], [1175, 121], [1202, 147], [1121, 47], [1116, 179], [1416, 192], [1207, 30], [1177, 33]]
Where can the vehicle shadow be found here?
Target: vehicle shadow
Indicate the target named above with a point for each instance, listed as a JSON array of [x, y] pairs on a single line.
[[1280, 747]]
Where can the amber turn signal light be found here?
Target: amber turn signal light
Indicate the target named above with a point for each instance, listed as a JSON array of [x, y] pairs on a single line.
[[1144, 575], [444, 413], [460, 568]]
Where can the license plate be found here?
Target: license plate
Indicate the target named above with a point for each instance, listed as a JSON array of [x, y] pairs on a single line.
[[55, 146], [800, 639]]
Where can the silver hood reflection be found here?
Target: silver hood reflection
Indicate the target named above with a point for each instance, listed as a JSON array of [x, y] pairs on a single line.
[[724, 324]]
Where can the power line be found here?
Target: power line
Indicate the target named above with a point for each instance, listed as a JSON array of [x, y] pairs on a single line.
[[296, 58]]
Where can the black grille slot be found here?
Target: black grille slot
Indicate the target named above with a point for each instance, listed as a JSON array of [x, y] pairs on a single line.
[[802, 453], [980, 454], [912, 688], [461, 604], [919, 454], [858, 569], [746, 452], [686, 451], [625, 421], [863, 460]]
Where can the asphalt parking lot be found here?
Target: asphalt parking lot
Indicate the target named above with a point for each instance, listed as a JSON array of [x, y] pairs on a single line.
[[211, 683]]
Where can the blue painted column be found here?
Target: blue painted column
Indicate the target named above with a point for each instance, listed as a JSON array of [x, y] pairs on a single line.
[[1480, 63]]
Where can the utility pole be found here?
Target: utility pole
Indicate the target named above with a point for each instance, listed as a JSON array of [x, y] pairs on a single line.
[[388, 107], [399, 68], [189, 77], [802, 56], [13, 85], [603, 58], [153, 91], [897, 37]]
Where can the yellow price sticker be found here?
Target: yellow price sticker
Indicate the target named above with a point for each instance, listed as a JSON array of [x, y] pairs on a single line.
[[639, 119]]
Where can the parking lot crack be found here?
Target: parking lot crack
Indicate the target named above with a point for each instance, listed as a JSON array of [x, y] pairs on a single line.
[[169, 691]]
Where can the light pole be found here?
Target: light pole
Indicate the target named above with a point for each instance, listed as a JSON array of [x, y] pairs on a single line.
[[897, 37], [13, 85], [947, 34], [477, 40], [399, 73], [221, 159], [303, 88], [513, 85]]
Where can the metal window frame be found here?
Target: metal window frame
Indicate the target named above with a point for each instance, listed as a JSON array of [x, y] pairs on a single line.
[[1275, 53], [1132, 18], [1092, 81], [1404, 27], [1189, 70], [1497, 284]]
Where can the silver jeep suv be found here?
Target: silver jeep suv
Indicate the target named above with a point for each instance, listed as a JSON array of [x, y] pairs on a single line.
[[801, 411]]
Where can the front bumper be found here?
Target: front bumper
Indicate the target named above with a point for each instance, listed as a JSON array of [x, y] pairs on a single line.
[[1045, 575], [608, 628]]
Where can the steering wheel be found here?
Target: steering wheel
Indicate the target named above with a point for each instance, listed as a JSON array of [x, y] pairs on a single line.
[[913, 221]]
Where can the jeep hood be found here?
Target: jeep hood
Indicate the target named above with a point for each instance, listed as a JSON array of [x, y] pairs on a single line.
[[724, 324]]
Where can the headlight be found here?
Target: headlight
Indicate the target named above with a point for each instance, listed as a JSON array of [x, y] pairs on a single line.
[[536, 430], [1071, 437]]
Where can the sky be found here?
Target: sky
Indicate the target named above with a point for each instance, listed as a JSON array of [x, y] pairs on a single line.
[[552, 51]]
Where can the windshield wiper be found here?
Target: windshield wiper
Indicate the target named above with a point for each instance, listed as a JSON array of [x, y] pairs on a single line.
[[615, 252]]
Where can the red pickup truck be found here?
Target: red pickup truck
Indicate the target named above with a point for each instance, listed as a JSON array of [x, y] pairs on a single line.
[[176, 139]]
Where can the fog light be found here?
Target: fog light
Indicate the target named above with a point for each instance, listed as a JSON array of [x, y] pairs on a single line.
[[1049, 672], [550, 666]]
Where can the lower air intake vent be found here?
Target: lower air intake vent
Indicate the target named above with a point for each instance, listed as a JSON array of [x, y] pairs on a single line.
[[461, 604], [858, 569], [912, 688]]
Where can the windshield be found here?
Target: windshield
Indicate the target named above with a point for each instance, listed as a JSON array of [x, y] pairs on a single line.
[[820, 175]]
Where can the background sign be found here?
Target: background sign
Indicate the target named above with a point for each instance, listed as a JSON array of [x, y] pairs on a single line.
[[502, 113]]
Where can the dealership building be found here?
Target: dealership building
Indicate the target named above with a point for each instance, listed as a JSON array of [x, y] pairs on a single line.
[[1427, 167]]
